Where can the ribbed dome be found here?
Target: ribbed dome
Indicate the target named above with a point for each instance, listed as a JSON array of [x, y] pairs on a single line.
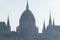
[[27, 23], [27, 17]]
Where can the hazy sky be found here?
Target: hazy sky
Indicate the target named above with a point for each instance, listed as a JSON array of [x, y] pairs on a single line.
[[40, 8]]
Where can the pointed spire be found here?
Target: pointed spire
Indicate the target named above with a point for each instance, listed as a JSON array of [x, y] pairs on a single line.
[[27, 7], [50, 22], [53, 22], [8, 23], [43, 27]]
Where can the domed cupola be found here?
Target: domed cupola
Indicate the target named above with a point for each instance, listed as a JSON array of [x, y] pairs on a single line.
[[27, 23], [27, 16]]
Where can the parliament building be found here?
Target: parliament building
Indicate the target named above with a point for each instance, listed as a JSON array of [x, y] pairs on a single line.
[[27, 29]]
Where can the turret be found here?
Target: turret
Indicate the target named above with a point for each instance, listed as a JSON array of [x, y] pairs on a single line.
[[8, 25], [50, 22]]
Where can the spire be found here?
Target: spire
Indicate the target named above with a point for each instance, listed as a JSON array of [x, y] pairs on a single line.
[[8, 23], [50, 22], [27, 7], [53, 22], [43, 27]]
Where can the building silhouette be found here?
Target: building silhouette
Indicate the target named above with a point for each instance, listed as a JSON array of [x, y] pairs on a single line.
[[27, 29]]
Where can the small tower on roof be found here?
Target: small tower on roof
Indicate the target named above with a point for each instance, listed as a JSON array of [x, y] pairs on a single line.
[[8, 25], [50, 21]]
